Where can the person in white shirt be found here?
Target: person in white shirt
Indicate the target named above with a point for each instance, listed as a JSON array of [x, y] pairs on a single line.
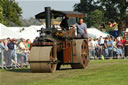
[[22, 51], [101, 46]]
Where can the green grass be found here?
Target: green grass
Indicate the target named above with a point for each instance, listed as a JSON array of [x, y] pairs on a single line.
[[98, 72]]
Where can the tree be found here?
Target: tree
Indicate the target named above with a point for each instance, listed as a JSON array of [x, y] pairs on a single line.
[[95, 18], [30, 21], [10, 12], [116, 10], [85, 6], [1, 12]]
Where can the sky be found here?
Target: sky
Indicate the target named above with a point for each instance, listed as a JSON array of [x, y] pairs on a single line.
[[32, 7]]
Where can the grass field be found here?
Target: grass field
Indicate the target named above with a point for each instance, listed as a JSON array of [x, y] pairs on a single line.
[[98, 72]]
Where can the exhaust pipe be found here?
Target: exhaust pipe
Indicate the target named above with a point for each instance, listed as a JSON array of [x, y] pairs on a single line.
[[48, 17]]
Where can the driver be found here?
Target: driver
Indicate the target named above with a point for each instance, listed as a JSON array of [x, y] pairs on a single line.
[[64, 24]]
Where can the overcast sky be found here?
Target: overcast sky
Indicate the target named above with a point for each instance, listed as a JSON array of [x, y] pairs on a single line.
[[32, 7]]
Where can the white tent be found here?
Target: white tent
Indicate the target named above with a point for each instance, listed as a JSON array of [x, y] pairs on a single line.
[[21, 29], [20, 32], [16, 29], [5, 33], [30, 33], [126, 29], [96, 32]]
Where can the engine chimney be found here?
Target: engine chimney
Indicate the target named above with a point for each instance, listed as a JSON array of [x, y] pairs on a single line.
[[48, 17]]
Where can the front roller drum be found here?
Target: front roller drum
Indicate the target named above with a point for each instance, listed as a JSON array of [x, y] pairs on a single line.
[[82, 54], [43, 59]]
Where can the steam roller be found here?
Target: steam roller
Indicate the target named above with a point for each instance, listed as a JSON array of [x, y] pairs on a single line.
[[58, 47]]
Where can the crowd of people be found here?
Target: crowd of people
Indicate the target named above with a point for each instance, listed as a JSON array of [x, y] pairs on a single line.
[[108, 47], [14, 52]]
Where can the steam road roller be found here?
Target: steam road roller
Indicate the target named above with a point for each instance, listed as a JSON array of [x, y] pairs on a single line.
[[58, 47]]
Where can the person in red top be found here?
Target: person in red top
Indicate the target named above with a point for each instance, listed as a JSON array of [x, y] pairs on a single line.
[[122, 40]]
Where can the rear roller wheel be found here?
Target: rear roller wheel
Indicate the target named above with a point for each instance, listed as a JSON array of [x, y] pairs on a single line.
[[43, 59], [82, 54]]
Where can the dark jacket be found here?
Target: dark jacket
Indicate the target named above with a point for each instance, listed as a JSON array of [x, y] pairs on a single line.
[[11, 46]]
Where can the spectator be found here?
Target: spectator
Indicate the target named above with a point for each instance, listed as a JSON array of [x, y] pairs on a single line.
[[122, 40], [15, 53], [101, 46], [22, 51], [105, 48], [36, 40], [4, 48], [10, 52], [27, 51], [28, 41], [0, 41], [9, 40], [110, 48], [115, 48], [119, 49], [92, 48], [126, 48], [96, 48]]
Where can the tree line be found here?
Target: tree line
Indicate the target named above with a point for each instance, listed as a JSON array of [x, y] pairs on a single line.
[[98, 12]]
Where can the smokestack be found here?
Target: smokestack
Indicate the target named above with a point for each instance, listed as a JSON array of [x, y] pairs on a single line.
[[48, 17]]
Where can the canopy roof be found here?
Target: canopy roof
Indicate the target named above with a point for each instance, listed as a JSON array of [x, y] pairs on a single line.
[[56, 14]]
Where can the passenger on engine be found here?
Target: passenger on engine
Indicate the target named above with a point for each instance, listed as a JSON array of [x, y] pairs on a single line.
[[81, 29]]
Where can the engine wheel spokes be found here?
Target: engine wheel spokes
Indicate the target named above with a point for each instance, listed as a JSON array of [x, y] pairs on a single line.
[[53, 61], [84, 53]]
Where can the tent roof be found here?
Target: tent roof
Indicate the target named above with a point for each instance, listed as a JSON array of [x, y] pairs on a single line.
[[96, 32], [126, 29], [5, 32], [56, 14]]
